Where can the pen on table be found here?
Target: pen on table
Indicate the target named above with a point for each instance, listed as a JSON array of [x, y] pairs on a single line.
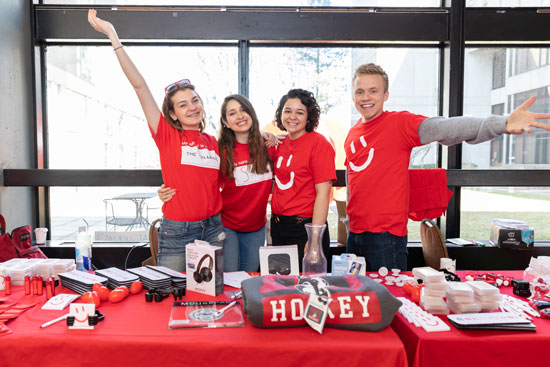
[[46, 324], [237, 295], [221, 311]]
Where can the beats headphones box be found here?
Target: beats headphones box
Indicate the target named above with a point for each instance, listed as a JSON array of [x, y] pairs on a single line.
[[204, 268]]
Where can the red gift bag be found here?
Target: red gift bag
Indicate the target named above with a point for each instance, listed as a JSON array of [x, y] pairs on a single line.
[[7, 249], [19, 244]]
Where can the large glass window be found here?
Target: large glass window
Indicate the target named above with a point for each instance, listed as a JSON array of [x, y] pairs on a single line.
[[114, 214], [94, 117], [95, 120], [327, 72], [481, 204], [526, 151]]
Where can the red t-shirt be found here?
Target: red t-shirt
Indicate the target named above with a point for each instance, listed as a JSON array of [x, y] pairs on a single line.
[[245, 197], [377, 158], [190, 163], [299, 165]]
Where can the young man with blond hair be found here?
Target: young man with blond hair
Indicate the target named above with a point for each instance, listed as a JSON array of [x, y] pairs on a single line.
[[378, 149]]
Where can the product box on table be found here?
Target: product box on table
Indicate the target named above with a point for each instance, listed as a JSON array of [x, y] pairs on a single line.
[[204, 268], [348, 264], [511, 234]]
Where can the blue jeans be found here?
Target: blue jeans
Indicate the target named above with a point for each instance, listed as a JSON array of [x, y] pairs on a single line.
[[379, 249], [241, 250], [174, 236]]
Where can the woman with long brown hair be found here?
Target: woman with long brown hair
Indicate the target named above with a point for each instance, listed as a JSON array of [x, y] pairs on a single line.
[[246, 170]]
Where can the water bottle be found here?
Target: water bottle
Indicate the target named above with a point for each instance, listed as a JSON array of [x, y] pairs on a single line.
[[83, 250], [314, 261]]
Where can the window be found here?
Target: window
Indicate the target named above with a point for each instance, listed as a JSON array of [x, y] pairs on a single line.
[[528, 151], [526, 59], [95, 120], [327, 72], [481, 204], [499, 67]]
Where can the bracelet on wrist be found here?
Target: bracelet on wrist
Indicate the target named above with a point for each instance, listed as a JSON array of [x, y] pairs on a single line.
[[117, 48]]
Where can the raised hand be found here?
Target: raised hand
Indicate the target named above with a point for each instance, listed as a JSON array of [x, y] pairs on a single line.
[[101, 25], [521, 120]]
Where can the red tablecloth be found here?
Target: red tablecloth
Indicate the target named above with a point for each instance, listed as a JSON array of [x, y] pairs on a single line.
[[465, 348], [135, 333]]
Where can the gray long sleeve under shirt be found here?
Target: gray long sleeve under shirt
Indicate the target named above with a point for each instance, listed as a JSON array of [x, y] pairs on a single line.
[[454, 130]]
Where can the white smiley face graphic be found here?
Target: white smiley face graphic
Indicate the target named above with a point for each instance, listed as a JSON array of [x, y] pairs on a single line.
[[81, 313], [289, 184], [359, 168]]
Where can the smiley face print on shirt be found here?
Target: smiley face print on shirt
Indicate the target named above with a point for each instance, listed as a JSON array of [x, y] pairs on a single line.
[[244, 175], [288, 185], [357, 150]]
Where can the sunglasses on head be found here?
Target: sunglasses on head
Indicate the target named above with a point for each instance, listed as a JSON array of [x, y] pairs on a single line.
[[179, 83]]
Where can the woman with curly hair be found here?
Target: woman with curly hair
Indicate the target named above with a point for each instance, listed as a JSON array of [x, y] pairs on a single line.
[[304, 172]]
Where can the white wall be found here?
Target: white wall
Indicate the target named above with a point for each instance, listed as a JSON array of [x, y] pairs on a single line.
[[16, 123]]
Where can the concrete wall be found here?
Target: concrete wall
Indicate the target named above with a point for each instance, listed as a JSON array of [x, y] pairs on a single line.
[[16, 116]]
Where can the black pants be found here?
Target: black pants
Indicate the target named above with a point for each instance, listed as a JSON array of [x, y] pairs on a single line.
[[291, 231]]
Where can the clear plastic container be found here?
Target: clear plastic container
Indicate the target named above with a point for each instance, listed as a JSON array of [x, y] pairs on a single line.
[[460, 289], [437, 286], [496, 298], [19, 271], [62, 266], [439, 308], [488, 306], [429, 275], [461, 299], [44, 268], [463, 307], [433, 292], [482, 288]]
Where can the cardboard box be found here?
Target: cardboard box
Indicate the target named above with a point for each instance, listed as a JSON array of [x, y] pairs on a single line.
[[281, 260], [514, 238], [204, 268]]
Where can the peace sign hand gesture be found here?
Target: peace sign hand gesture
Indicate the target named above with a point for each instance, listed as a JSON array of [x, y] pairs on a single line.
[[521, 120]]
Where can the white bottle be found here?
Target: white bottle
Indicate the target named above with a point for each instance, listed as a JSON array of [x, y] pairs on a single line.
[[83, 250]]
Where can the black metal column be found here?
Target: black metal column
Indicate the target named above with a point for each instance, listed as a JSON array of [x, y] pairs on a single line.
[[456, 105]]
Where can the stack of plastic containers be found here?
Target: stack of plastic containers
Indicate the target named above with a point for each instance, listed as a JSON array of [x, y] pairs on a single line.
[[43, 268], [18, 271], [460, 298], [435, 285], [62, 266], [487, 295]]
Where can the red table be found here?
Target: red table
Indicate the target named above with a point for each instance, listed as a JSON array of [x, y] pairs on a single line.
[[465, 348], [135, 333]]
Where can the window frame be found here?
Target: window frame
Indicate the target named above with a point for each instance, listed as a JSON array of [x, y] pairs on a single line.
[[450, 29]]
